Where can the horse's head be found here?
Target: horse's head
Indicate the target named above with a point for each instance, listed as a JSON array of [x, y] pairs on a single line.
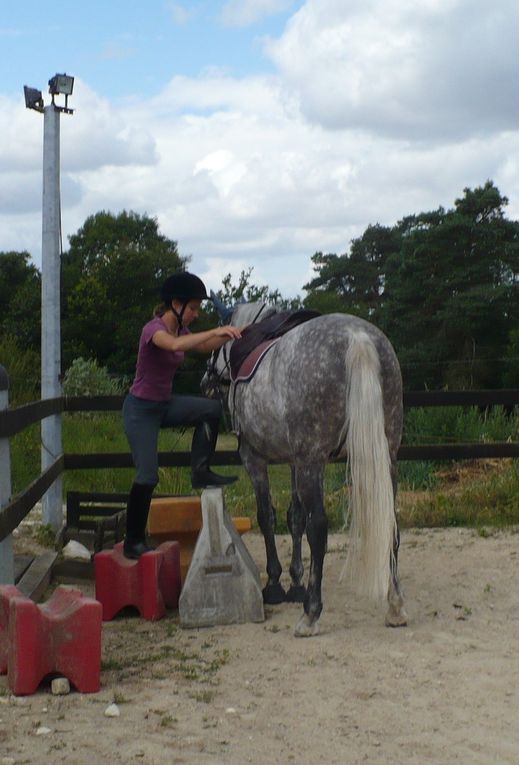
[[217, 379]]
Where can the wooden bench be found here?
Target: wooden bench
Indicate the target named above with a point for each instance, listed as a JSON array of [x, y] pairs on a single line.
[[101, 513]]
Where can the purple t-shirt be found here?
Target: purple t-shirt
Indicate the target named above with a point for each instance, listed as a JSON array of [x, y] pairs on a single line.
[[156, 367]]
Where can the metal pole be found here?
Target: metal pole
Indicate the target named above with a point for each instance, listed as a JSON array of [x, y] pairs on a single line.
[[6, 545], [51, 442]]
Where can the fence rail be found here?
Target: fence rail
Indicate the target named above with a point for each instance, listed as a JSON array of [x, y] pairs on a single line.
[[16, 419]]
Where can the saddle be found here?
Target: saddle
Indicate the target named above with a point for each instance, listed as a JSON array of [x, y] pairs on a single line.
[[257, 339]]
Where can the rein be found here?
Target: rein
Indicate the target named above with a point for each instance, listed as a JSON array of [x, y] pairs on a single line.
[[218, 377]]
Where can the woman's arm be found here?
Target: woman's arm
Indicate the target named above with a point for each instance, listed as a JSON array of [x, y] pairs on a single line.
[[196, 341]]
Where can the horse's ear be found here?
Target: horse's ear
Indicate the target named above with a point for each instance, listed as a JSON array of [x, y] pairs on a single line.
[[223, 311]]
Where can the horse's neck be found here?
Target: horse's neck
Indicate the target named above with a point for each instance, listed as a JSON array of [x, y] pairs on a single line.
[[250, 313]]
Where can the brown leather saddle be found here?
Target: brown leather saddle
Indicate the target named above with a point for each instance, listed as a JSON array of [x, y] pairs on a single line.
[[257, 339]]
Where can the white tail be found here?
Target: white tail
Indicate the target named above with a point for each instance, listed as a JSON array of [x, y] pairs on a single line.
[[373, 524]]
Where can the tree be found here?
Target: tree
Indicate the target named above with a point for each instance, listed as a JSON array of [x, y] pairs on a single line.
[[443, 285], [451, 292], [20, 303], [111, 280], [354, 281], [230, 293]]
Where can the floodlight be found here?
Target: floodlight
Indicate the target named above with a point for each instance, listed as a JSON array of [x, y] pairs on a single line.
[[33, 98], [61, 83]]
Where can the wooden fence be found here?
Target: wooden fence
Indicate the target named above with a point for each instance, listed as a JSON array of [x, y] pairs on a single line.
[[13, 420]]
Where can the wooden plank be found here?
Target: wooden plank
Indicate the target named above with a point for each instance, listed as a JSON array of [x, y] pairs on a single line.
[[503, 397], [14, 420], [459, 451], [37, 577], [73, 569], [15, 511], [92, 403], [21, 564]]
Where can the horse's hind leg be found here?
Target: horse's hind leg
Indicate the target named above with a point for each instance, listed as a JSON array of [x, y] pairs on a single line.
[[309, 485], [296, 524], [256, 467], [396, 615]]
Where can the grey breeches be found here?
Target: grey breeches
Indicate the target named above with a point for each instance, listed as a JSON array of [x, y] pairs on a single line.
[[143, 419]]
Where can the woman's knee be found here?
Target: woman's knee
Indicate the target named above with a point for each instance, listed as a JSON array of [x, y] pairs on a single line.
[[215, 409], [148, 476]]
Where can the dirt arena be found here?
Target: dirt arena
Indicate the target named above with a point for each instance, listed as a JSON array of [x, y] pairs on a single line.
[[445, 689]]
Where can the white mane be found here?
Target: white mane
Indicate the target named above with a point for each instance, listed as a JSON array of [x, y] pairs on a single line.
[[249, 313]]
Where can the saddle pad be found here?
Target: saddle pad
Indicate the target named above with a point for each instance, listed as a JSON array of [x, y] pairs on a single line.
[[252, 361], [269, 328]]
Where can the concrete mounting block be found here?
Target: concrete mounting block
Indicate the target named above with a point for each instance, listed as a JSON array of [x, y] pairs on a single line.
[[223, 583]]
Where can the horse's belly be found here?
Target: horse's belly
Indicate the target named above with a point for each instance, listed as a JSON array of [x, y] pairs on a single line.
[[287, 421]]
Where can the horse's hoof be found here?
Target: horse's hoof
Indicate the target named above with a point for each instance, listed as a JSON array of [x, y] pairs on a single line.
[[274, 594], [306, 627], [396, 618], [296, 594]]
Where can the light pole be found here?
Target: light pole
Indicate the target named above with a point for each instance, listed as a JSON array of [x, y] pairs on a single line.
[[51, 442]]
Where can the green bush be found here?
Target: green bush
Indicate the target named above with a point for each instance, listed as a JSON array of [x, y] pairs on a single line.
[[451, 424], [457, 424], [85, 377], [23, 367]]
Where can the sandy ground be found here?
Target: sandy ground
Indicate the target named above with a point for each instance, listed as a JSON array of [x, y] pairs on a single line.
[[445, 689]]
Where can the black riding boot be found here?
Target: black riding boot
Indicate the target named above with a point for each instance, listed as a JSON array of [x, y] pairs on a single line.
[[202, 449], [136, 519]]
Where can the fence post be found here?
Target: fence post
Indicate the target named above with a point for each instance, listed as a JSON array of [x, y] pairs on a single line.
[[51, 441], [6, 545]]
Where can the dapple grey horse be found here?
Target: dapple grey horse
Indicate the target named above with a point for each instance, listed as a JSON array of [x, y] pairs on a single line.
[[329, 388]]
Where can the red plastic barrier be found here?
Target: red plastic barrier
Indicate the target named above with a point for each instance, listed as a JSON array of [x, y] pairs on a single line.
[[61, 636], [151, 583], [7, 593]]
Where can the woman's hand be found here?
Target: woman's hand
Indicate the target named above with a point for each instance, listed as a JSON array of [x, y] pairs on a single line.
[[233, 333]]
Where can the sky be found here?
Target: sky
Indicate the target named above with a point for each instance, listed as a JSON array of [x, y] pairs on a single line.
[[258, 132]]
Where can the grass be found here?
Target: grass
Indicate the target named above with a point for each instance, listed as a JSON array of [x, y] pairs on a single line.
[[485, 497], [481, 494]]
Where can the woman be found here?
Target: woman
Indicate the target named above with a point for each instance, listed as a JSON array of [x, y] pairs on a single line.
[[150, 404]]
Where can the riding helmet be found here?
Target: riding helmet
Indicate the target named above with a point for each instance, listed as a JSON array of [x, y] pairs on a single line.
[[183, 286]]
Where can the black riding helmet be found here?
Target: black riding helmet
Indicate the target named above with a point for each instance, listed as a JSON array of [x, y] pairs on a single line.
[[183, 287]]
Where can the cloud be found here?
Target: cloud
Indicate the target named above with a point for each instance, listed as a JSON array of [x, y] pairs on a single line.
[[101, 136], [241, 13], [430, 71], [180, 14], [374, 113]]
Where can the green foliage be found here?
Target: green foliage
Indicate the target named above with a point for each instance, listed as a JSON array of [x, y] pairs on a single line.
[[20, 299], [23, 368], [231, 293], [357, 277], [443, 285], [45, 535], [25, 458], [326, 301], [417, 475], [451, 292], [456, 424], [85, 377], [511, 360], [491, 499], [112, 275], [484, 502]]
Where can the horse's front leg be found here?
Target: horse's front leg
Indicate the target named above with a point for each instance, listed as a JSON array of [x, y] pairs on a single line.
[[309, 485], [296, 522], [256, 467]]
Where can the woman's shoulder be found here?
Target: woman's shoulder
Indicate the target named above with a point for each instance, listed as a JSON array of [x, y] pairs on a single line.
[[152, 326]]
